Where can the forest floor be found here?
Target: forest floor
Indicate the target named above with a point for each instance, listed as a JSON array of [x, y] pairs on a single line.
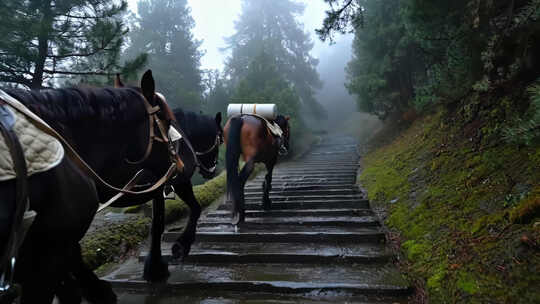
[[461, 204]]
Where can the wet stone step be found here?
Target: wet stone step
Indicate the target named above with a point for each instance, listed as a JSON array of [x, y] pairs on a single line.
[[303, 176], [276, 226], [307, 175], [270, 277], [301, 183], [330, 169], [295, 194], [320, 213], [345, 221], [285, 228], [306, 189], [250, 197], [157, 295], [305, 253], [253, 258], [319, 204], [314, 166], [360, 235]]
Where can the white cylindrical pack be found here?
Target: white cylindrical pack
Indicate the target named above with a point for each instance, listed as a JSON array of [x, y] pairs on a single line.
[[266, 110]]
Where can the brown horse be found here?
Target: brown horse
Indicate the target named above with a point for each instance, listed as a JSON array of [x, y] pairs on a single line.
[[248, 135]]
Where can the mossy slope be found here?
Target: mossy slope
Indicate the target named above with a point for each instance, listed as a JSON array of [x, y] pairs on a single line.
[[466, 204]]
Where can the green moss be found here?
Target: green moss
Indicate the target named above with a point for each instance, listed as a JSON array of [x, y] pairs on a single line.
[[415, 250], [434, 282], [109, 243], [467, 282], [462, 205]]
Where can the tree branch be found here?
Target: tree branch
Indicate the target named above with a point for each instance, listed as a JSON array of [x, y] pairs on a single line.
[[79, 73]]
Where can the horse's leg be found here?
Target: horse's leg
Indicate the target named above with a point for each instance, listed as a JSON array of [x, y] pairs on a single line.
[[267, 185], [182, 245], [92, 288], [65, 201], [43, 274], [155, 269], [239, 208]]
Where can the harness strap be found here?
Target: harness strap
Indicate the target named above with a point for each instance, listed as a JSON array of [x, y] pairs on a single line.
[[43, 126]]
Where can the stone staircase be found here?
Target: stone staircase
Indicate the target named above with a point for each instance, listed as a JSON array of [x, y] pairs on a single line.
[[320, 243]]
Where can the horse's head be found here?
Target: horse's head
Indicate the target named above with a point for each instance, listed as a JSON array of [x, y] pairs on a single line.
[[163, 126], [283, 123], [206, 135]]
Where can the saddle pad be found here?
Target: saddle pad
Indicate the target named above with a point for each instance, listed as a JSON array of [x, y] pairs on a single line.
[[41, 151]]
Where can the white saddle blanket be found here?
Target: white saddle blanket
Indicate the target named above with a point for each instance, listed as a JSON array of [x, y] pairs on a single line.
[[41, 151]]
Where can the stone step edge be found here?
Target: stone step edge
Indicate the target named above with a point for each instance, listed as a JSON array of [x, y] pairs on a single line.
[[372, 222], [278, 258], [283, 287], [295, 213], [283, 237]]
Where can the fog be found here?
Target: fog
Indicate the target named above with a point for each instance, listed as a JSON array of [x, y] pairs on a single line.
[[214, 20]]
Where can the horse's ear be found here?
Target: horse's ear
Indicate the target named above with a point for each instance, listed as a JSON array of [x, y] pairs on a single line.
[[117, 82], [148, 86], [218, 118], [287, 117]]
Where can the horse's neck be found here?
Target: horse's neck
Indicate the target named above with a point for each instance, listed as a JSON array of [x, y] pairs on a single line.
[[190, 124]]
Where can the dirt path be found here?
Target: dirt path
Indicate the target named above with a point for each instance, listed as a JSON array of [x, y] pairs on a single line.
[[320, 243]]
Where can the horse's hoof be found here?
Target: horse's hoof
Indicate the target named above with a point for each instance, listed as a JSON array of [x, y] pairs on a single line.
[[238, 218], [155, 271], [180, 251], [101, 293]]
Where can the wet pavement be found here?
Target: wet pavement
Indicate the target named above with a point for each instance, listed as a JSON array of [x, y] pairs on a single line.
[[320, 243]]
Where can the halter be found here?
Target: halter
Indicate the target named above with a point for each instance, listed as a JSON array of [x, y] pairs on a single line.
[[217, 142]]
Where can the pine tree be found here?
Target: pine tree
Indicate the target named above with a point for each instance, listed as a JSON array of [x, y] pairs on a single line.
[[163, 31], [45, 41], [271, 27], [265, 84]]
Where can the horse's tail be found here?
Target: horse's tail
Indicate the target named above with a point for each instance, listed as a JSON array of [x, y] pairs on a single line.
[[232, 155]]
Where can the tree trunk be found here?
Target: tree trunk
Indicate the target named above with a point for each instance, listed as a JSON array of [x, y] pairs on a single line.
[[43, 46]]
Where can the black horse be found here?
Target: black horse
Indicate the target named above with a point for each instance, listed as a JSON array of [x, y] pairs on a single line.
[[110, 129], [249, 136]]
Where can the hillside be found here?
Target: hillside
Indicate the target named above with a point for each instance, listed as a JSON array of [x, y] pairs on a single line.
[[462, 204]]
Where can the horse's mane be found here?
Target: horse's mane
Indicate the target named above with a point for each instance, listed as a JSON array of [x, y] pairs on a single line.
[[195, 125], [83, 105]]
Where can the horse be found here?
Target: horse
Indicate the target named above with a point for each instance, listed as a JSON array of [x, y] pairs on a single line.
[[112, 129], [201, 151], [249, 136]]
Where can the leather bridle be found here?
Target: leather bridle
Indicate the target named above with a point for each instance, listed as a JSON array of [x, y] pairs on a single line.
[[163, 135], [217, 142]]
